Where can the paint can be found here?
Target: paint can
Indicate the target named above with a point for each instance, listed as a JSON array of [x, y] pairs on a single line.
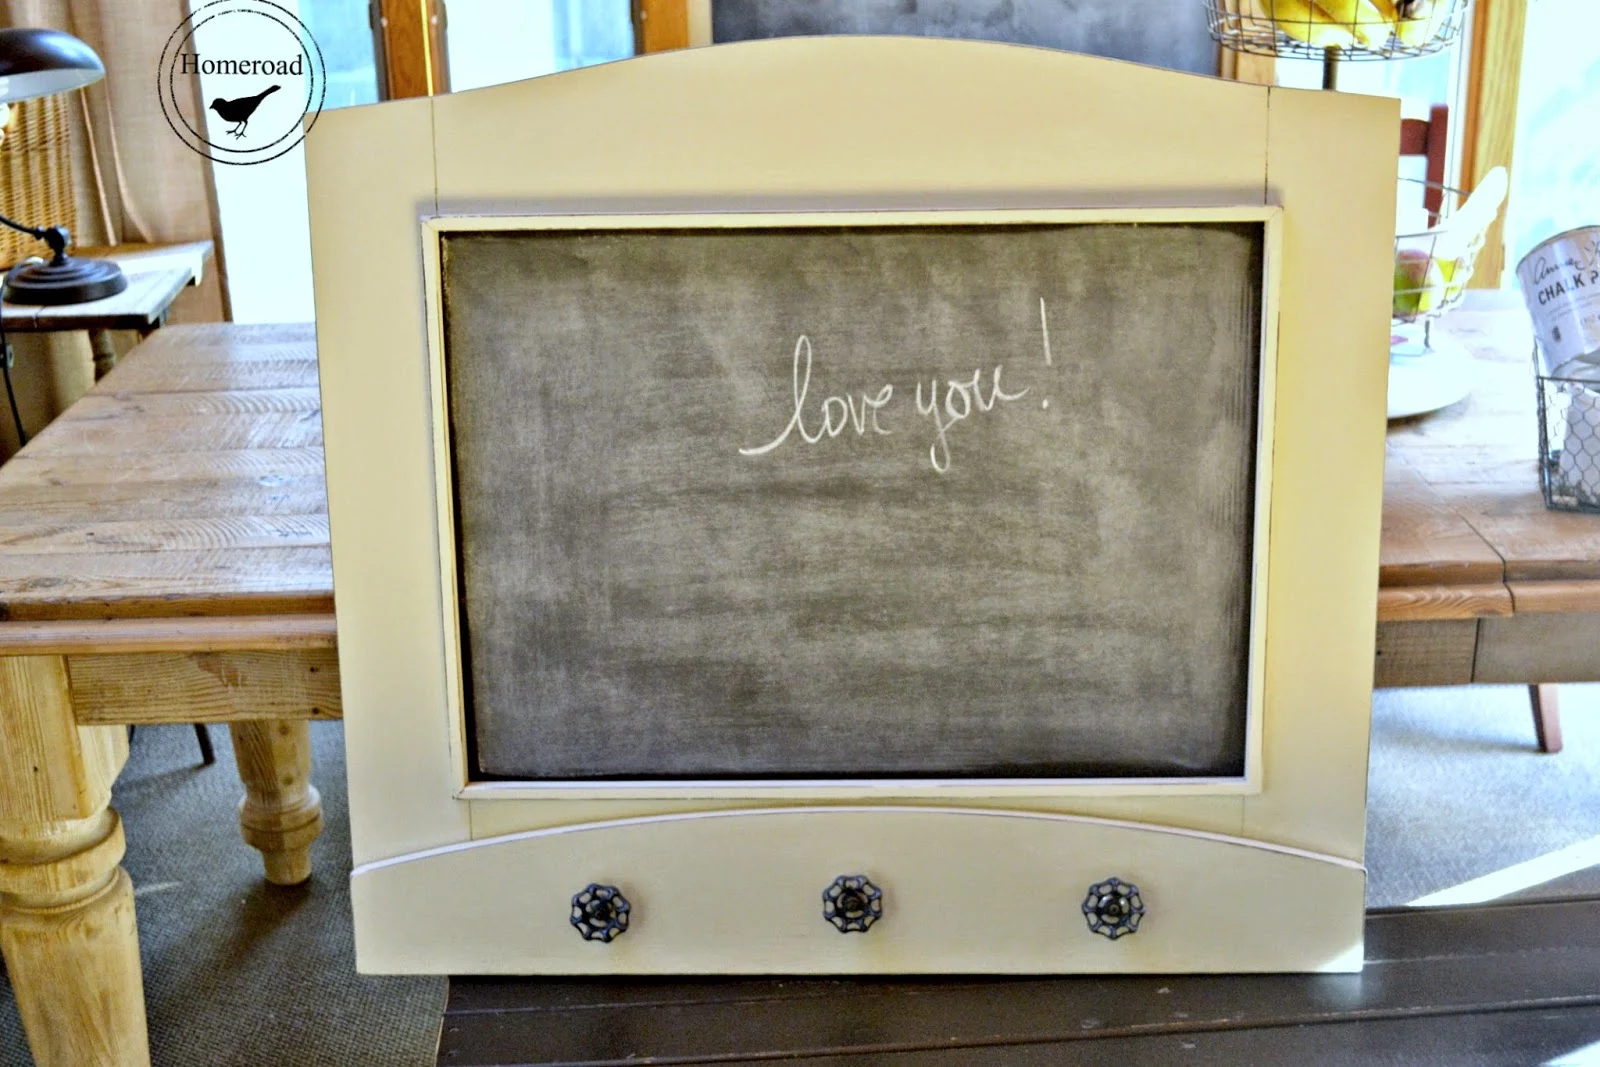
[[1561, 286]]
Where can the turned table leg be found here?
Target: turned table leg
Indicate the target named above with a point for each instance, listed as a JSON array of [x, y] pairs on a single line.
[[66, 906], [104, 348], [281, 813]]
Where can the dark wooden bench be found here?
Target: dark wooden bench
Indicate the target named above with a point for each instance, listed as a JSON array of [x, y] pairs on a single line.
[[1492, 984]]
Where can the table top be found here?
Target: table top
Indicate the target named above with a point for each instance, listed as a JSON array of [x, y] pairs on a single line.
[[188, 485], [156, 275], [188, 482], [1465, 530]]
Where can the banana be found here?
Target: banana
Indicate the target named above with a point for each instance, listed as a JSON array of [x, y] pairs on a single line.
[[1362, 17], [1305, 21], [1418, 22]]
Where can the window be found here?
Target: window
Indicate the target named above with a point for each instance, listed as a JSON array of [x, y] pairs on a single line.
[[1555, 180], [491, 41], [262, 210], [1419, 84], [344, 34]]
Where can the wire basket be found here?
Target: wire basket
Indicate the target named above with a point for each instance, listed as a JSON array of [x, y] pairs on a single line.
[[36, 173], [1569, 441], [1351, 29], [1432, 268]]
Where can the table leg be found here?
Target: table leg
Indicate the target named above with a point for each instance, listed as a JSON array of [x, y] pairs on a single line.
[[66, 906], [105, 352], [281, 813], [1546, 717]]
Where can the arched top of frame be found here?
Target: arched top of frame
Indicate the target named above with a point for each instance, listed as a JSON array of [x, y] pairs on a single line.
[[865, 120]]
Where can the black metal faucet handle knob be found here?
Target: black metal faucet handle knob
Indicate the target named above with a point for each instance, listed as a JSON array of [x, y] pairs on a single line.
[[852, 903], [600, 912], [1113, 908]]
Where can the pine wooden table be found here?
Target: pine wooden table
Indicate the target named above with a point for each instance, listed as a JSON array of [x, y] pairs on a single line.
[[1479, 582], [163, 558]]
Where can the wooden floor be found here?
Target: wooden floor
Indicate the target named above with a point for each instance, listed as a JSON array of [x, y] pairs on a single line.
[[1500, 984]]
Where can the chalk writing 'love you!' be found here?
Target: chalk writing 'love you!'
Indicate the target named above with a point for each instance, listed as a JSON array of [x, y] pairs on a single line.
[[946, 405]]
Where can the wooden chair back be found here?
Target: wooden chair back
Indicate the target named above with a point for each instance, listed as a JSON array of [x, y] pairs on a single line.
[[1429, 137]]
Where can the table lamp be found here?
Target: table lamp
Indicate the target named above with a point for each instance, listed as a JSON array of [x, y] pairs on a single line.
[[36, 63]]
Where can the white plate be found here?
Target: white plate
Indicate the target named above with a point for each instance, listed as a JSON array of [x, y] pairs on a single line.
[[1426, 378]]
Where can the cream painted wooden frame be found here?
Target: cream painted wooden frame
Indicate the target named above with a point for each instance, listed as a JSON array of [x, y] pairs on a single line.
[[433, 231], [1270, 880]]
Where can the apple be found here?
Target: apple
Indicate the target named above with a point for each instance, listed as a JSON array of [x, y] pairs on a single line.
[[1419, 283]]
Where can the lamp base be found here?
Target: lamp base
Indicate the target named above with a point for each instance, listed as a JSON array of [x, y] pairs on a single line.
[[64, 280]]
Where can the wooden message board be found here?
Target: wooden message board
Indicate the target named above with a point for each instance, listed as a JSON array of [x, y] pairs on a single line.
[[574, 510], [900, 501]]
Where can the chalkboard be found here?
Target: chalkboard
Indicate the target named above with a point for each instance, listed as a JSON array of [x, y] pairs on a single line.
[[885, 501], [1161, 33]]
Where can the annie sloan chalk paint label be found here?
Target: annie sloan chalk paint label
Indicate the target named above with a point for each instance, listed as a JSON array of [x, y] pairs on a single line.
[[1561, 286]]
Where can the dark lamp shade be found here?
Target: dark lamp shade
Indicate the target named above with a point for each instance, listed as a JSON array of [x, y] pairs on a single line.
[[40, 62]]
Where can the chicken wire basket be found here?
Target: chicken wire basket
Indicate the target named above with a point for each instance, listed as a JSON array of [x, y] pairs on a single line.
[[1569, 439], [1337, 29], [1432, 267]]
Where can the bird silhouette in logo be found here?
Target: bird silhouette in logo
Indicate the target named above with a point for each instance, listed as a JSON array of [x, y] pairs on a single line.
[[239, 111]]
